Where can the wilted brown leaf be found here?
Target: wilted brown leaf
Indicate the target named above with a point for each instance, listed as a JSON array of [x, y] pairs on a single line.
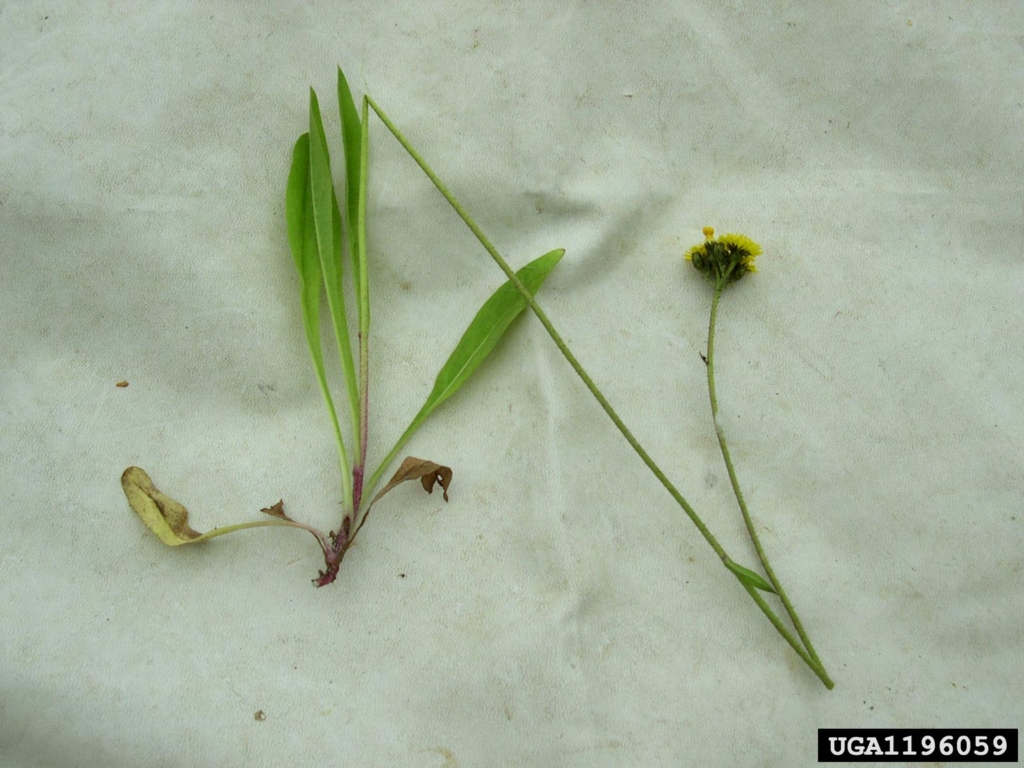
[[276, 511], [427, 472]]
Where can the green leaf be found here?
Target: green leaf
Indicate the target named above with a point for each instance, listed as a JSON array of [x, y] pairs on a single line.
[[351, 134], [486, 330], [748, 577], [363, 284], [302, 239], [355, 137], [306, 252], [480, 338], [296, 202], [327, 220]]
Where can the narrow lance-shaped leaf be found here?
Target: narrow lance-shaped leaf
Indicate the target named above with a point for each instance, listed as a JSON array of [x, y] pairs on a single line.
[[363, 301], [480, 338], [351, 134], [302, 239], [362, 273], [486, 329], [748, 576], [305, 250], [327, 219], [297, 203]]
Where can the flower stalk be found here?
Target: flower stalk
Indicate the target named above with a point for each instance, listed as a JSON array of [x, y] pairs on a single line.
[[814, 665], [723, 262]]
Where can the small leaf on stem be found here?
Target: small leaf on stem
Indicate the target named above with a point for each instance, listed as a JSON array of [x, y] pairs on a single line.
[[748, 577]]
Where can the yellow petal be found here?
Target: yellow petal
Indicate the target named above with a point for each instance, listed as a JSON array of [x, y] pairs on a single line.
[[741, 242]]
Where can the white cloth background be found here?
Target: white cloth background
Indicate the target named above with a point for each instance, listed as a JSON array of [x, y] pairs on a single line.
[[560, 610]]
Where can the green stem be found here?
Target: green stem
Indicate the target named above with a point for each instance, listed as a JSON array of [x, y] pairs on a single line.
[[747, 520], [694, 517], [263, 524], [814, 664]]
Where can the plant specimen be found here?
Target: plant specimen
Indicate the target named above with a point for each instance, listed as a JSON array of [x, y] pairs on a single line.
[[316, 235]]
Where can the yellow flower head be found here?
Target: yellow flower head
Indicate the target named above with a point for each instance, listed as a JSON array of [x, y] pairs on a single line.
[[724, 260]]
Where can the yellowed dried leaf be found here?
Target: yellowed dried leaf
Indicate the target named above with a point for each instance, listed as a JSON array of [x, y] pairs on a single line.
[[162, 515]]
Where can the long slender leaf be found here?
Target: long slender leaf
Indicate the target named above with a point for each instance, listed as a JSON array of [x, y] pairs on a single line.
[[351, 134], [327, 219], [480, 338], [486, 329], [296, 202], [363, 299], [355, 141], [305, 250], [363, 282], [302, 239]]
